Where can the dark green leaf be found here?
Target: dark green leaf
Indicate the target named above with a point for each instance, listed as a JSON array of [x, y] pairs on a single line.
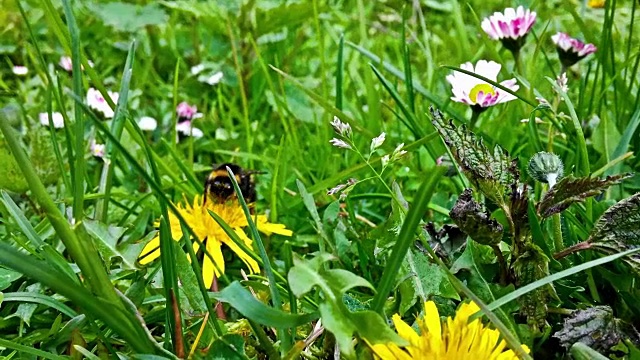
[[491, 172], [475, 221], [618, 229], [594, 327], [246, 304], [570, 190]]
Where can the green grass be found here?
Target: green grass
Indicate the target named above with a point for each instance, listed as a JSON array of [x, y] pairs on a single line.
[[72, 225]]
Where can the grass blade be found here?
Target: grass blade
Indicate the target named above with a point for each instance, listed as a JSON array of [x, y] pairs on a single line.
[[268, 269], [116, 128], [406, 238], [78, 176], [557, 276]]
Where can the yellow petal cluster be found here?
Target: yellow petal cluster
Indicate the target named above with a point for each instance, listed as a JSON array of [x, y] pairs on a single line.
[[455, 339], [212, 235]]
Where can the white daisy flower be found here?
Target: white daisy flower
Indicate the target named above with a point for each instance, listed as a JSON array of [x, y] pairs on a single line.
[[56, 119], [20, 70], [96, 101], [475, 92], [147, 123]]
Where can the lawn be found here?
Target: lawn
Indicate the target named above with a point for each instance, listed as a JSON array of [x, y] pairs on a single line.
[[318, 179]]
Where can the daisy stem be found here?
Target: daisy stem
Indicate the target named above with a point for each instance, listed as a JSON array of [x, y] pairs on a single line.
[[474, 117], [518, 64]]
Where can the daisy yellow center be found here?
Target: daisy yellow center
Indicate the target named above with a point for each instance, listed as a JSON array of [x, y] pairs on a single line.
[[485, 88]]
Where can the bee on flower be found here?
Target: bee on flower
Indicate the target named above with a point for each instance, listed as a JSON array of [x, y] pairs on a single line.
[[196, 215]]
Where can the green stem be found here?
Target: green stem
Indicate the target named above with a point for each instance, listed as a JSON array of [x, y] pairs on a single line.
[[572, 249], [557, 232], [474, 117], [503, 264]]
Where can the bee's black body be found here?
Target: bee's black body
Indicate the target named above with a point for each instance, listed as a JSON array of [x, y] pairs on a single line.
[[219, 188]]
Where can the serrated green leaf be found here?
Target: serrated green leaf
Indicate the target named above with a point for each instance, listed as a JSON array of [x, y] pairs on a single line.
[[107, 237], [228, 347], [432, 279], [336, 317], [7, 277], [491, 172], [618, 229], [478, 284], [246, 304], [475, 221], [25, 310], [570, 190]]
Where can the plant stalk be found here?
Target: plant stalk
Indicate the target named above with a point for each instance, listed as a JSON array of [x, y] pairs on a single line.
[[572, 249]]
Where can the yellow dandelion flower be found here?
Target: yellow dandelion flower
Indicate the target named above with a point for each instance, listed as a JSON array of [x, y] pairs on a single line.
[[597, 4], [455, 339], [213, 236]]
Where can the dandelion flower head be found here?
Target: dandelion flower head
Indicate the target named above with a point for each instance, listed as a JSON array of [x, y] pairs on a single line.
[[454, 339], [213, 236]]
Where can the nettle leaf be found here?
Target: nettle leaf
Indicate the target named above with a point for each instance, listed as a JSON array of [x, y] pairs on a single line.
[[475, 221], [306, 275], [570, 190], [595, 327], [491, 172], [618, 229]]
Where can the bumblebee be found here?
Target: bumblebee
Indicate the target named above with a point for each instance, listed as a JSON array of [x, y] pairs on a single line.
[[219, 188]]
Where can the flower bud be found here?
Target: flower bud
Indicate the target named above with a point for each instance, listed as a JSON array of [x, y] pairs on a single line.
[[546, 167]]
